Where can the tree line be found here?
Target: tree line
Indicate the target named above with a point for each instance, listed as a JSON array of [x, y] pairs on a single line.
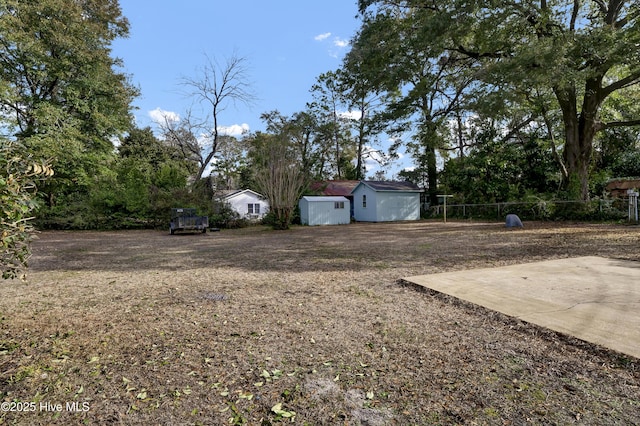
[[494, 101]]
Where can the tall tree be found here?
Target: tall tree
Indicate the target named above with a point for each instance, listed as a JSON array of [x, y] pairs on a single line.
[[56, 63], [364, 99], [181, 135], [214, 89], [228, 163], [329, 108], [424, 87], [143, 144], [306, 137], [581, 51], [62, 94]]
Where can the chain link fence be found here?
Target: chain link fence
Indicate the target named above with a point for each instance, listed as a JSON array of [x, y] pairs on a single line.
[[596, 209]]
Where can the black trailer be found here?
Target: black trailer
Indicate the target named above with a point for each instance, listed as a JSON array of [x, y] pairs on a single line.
[[187, 220]]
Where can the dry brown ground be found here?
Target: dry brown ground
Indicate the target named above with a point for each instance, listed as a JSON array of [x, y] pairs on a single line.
[[262, 327]]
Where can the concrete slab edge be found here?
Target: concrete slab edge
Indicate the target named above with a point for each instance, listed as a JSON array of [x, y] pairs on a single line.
[[615, 357]]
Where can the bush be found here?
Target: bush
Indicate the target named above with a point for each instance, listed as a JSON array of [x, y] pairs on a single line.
[[18, 176]]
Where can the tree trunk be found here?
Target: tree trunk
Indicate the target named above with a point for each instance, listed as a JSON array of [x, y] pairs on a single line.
[[580, 129]]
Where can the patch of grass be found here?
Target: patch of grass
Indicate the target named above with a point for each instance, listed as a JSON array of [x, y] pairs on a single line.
[[24, 372], [8, 346]]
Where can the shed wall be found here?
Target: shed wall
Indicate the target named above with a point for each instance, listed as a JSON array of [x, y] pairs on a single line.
[[360, 212], [394, 206], [324, 212], [385, 206]]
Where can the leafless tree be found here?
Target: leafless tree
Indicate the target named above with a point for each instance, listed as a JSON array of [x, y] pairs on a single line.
[[214, 89], [279, 176], [181, 135]]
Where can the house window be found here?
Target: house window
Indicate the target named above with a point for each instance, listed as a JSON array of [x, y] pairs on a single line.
[[253, 208], [364, 201], [338, 205]]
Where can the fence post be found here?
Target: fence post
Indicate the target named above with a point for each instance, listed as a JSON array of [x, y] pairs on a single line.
[[445, 205], [633, 205]]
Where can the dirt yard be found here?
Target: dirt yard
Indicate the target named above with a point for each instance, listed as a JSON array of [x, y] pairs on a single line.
[[307, 326]]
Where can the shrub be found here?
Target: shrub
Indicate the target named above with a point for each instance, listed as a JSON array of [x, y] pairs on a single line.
[[18, 176]]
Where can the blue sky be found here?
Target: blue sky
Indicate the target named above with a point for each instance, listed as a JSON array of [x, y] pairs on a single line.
[[287, 45]]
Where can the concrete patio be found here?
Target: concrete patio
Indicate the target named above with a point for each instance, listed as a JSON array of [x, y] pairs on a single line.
[[591, 298]]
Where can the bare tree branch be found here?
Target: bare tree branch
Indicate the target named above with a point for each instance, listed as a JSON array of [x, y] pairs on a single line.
[[627, 81], [574, 15], [217, 86], [614, 124], [517, 129], [552, 140]]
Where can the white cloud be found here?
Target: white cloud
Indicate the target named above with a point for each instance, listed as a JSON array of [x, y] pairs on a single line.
[[161, 116], [115, 141], [338, 45], [340, 42], [351, 115], [234, 130], [321, 37]]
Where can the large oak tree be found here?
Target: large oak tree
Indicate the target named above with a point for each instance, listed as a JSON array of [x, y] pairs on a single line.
[[62, 93], [577, 52]]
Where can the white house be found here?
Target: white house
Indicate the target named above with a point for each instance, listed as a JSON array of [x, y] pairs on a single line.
[[324, 210], [247, 203], [385, 201]]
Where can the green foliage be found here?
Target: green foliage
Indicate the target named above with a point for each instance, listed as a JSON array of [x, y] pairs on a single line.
[[500, 171], [224, 216], [619, 152], [56, 62], [332, 133], [135, 189], [627, 165], [62, 90], [18, 175]]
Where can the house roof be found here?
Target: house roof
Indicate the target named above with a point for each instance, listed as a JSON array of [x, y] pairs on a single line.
[[335, 187], [396, 186], [226, 195], [623, 184]]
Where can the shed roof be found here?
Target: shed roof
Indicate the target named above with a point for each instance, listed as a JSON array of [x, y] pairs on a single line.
[[325, 198], [395, 186]]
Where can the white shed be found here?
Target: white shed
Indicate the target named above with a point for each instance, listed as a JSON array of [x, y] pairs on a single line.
[[247, 203], [385, 201], [324, 210]]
